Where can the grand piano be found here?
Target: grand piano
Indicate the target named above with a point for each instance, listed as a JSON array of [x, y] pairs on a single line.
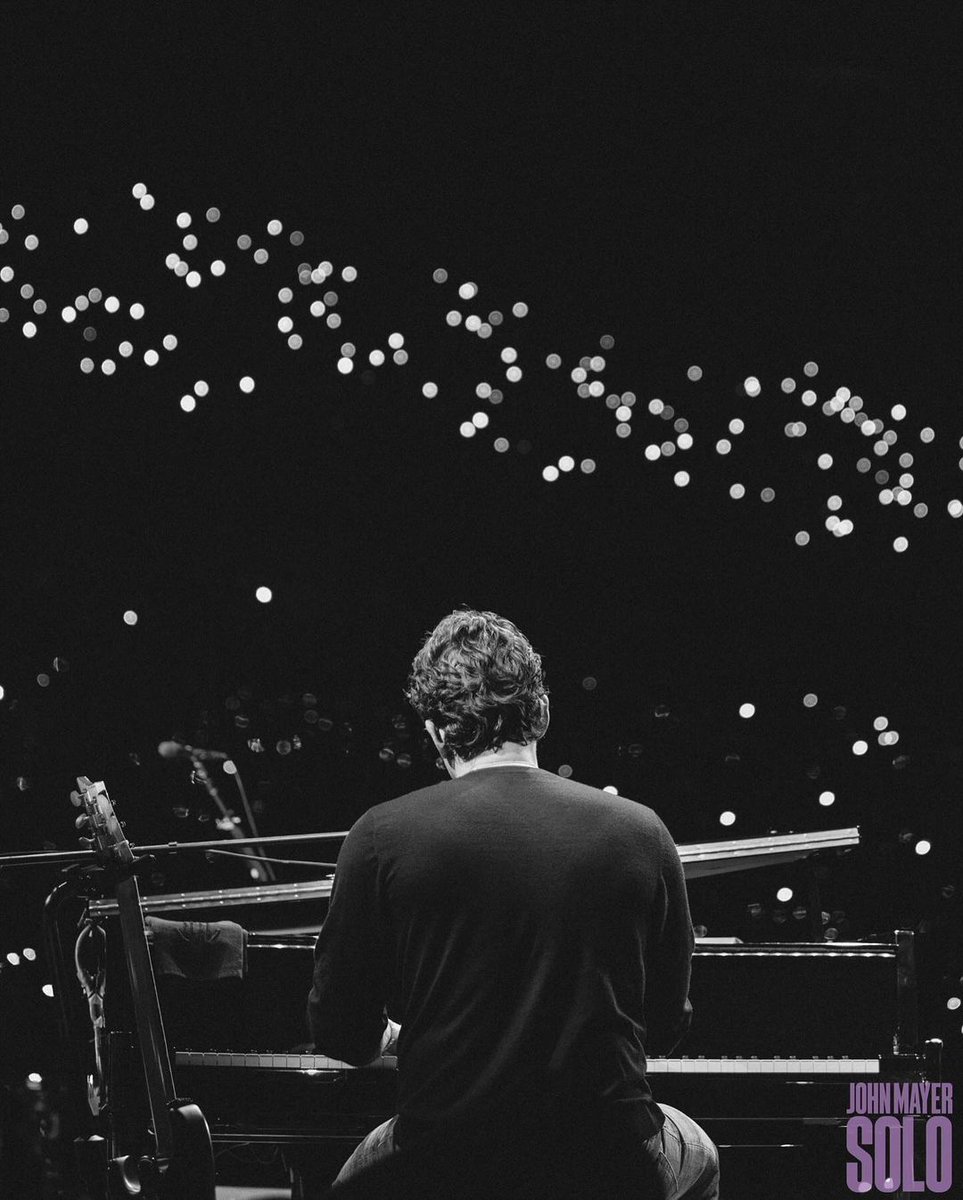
[[782, 1029]]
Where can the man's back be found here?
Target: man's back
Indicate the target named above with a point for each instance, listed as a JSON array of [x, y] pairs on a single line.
[[531, 935]]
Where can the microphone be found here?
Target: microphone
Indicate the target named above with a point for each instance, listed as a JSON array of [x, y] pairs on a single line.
[[179, 750]]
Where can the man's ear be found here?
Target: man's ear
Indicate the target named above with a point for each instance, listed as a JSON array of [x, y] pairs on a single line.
[[438, 738], [546, 712]]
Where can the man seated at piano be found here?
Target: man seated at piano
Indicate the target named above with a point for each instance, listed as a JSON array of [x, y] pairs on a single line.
[[529, 938]]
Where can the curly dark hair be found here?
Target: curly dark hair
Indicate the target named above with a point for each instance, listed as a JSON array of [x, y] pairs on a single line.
[[478, 678]]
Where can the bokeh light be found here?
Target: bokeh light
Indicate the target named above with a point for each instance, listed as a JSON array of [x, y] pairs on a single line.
[[264, 595], [727, 818], [827, 798], [130, 617]]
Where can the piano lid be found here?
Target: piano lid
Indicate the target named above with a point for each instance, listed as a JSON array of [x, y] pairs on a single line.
[[718, 858], [699, 859]]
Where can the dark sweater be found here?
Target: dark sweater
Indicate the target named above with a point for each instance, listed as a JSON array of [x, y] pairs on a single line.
[[531, 935]]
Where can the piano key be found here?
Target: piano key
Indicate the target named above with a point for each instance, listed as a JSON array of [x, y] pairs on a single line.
[[791, 1068]]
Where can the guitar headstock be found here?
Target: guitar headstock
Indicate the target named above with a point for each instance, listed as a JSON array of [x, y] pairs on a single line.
[[100, 821]]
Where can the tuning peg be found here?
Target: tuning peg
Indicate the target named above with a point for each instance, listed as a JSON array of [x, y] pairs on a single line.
[[76, 799], [82, 822], [87, 843]]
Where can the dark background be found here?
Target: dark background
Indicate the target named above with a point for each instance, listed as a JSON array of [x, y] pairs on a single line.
[[747, 188]]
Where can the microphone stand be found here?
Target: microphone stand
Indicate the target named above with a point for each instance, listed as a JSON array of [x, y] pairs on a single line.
[[260, 870], [41, 858]]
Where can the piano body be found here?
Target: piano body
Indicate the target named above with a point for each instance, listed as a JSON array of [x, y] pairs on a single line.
[[781, 1030]]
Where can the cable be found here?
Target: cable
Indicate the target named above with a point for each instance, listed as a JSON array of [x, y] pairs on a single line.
[[247, 808], [287, 862]]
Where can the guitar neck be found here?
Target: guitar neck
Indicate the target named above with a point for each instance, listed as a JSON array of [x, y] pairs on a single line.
[[154, 1054]]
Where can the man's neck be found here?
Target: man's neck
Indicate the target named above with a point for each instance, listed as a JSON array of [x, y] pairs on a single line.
[[511, 754]]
